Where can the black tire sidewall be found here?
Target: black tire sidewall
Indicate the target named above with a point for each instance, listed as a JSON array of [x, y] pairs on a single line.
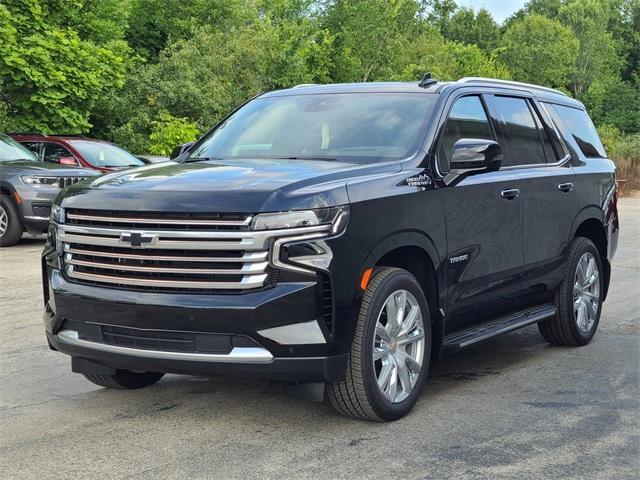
[[14, 225], [396, 281], [583, 247]]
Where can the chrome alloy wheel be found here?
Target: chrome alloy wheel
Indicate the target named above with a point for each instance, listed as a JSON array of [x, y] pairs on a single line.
[[4, 221], [586, 292], [398, 346]]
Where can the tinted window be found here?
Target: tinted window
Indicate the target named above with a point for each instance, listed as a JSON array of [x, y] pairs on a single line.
[[53, 152], [576, 124], [521, 130], [467, 119], [103, 154], [351, 127], [12, 150], [34, 147], [552, 148]]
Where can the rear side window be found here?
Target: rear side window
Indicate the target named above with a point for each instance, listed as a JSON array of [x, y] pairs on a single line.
[[520, 129], [577, 127], [467, 119]]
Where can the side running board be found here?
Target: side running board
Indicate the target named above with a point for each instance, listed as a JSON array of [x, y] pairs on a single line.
[[465, 338]]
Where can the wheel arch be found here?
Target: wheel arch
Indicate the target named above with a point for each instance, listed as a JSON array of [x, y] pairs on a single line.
[[589, 224], [415, 252]]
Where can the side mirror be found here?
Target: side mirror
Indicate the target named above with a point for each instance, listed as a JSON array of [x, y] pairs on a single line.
[[180, 149], [473, 155], [68, 161]]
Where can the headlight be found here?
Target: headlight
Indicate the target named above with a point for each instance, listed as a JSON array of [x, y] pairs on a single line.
[[304, 250], [35, 180], [57, 214], [298, 218]]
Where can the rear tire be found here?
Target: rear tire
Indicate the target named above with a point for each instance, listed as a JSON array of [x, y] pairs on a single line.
[[10, 225], [125, 379], [579, 298], [389, 359]]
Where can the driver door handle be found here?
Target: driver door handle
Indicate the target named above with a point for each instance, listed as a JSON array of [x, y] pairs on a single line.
[[565, 187], [510, 193]]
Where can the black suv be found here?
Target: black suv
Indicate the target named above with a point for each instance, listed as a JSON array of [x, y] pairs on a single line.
[[339, 238]]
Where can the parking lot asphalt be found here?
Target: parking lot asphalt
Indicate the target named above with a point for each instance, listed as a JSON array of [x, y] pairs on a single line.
[[513, 407]]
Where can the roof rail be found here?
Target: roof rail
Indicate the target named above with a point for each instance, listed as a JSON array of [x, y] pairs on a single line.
[[304, 85], [509, 83]]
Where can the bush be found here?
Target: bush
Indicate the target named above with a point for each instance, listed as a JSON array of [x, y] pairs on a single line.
[[169, 131]]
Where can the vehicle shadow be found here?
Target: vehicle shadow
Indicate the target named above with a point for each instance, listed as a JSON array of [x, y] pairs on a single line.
[[264, 401]]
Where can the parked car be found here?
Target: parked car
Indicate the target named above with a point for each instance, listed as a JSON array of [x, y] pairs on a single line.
[[340, 238], [77, 150], [27, 190]]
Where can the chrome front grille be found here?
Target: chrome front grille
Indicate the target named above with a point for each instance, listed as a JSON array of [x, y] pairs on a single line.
[[164, 252]]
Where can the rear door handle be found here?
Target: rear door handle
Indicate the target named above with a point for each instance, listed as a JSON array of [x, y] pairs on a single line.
[[510, 193], [565, 187]]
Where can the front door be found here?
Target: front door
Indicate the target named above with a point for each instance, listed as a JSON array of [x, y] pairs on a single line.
[[484, 222]]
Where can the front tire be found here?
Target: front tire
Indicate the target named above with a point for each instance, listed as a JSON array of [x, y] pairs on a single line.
[[390, 352], [125, 379], [10, 225], [579, 298]]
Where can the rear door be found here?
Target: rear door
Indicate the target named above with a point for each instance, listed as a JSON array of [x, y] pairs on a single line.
[[484, 219], [546, 180]]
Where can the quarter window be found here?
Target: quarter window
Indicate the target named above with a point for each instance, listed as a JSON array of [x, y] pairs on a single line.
[[520, 129], [467, 119], [575, 124]]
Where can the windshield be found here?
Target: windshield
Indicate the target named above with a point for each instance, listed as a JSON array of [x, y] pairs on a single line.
[[12, 150], [353, 127], [102, 154]]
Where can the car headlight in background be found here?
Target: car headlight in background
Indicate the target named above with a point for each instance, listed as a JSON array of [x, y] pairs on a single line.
[[305, 249], [36, 180]]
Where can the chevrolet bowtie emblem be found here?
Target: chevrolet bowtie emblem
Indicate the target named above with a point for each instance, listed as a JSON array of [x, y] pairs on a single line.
[[137, 239]]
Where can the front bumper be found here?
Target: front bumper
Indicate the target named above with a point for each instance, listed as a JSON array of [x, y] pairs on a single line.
[[255, 316]]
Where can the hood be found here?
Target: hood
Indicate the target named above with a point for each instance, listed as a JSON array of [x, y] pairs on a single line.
[[237, 186], [44, 169]]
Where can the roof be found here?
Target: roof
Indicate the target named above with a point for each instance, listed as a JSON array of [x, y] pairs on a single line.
[[64, 137], [438, 87]]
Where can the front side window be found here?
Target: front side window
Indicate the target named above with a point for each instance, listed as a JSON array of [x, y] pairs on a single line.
[[103, 154], [53, 152], [576, 124], [516, 120], [467, 119], [349, 127]]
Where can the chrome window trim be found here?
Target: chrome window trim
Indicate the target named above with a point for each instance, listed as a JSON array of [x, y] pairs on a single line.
[[237, 354]]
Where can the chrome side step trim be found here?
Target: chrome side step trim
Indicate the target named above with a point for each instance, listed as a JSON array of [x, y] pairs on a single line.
[[466, 338], [237, 354]]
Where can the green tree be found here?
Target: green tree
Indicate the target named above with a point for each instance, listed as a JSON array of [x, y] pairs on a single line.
[[50, 77], [369, 36], [539, 50], [597, 56], [480, 29]]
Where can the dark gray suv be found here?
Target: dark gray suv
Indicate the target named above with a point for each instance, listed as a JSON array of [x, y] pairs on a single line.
[[27, 189]]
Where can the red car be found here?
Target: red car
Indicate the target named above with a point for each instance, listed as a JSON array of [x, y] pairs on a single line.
[[79, 151]]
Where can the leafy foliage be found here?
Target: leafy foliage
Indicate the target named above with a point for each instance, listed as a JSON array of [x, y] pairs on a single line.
[[169, 131], [51, 78], [145, 73]]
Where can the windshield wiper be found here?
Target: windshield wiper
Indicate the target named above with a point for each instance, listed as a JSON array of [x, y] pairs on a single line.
[[200, 159]]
